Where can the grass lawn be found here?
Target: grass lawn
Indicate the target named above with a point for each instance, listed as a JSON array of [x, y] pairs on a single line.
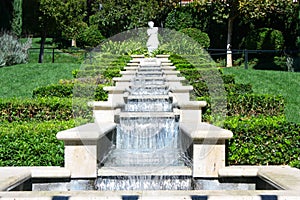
[[20, 80], [273, 82]]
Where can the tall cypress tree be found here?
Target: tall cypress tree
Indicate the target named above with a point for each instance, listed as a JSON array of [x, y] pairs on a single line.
[[16, 24]]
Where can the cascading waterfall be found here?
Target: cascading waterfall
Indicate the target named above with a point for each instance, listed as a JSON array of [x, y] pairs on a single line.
[[147, 135]]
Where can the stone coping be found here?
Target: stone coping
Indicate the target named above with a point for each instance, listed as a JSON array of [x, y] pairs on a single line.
[[203, 131], [149, 171], [156, 194], [180, 88], [13, 176], [105, 105], [90, 131], [192, 105], [285, 177]]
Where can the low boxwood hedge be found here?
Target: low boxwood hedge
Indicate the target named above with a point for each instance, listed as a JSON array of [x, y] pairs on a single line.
[[43, 109], [68, 91], [263, 141], [245, 105], [32, 143], [255, 105]]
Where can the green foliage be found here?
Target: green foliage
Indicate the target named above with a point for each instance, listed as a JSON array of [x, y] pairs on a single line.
[[42, 109], [69, 90], [12, 51], [16, 24], [117, 16], [263, 141], [32, 143], [178, 19], [264, 38], [90, 37], [255, 105], [199, 36], [67, 15], [54, 90], [126, 47]]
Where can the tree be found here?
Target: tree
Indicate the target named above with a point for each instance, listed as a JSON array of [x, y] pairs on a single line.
[[68, 15], [250, 9], [119, 15], [47, 22], [17, 17]]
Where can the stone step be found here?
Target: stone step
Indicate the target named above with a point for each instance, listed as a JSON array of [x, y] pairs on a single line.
[[149, 86], [150, 115], [148, 97]]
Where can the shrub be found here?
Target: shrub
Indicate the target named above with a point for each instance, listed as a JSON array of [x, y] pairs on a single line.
[[12, 51], [54, 90], [90, 37], [264, 38], [254, 105], [246, 105], [236, 89], [199, 36], [263, 141], [67, 91], [42, 109], [32, 143]]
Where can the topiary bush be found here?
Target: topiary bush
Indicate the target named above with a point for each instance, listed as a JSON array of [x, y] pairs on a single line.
[[199, 36], [90, 37], [12, 51]]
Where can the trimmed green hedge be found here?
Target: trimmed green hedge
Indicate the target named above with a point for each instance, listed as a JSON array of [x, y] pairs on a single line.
[[42, 109], [255, 105], [32, 143], [263, 141], [67, 91], [246, 105]]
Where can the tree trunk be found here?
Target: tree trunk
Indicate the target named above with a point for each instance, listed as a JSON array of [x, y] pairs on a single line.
[[42, 48], [229, 38]]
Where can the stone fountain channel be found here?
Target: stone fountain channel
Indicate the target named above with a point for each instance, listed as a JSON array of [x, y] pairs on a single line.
[[148, 139]]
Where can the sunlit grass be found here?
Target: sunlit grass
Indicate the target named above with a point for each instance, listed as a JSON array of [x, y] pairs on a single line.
[[273, 82], [20, 80]]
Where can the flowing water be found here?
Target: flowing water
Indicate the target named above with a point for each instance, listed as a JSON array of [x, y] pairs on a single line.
[[147, 135]]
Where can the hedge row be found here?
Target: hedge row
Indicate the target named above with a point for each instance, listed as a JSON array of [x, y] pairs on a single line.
[[108, 73], [43, 109], [70, 90], [246, 105], [32, 143], [201, 89], [263, 141]]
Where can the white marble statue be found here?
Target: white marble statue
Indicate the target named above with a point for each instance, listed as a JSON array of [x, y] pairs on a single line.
[[152, 43]]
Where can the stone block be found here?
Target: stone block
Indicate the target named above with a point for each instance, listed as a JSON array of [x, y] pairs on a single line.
[[208, 158]]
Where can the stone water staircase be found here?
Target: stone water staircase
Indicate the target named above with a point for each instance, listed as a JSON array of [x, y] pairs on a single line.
[[90, 144]]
